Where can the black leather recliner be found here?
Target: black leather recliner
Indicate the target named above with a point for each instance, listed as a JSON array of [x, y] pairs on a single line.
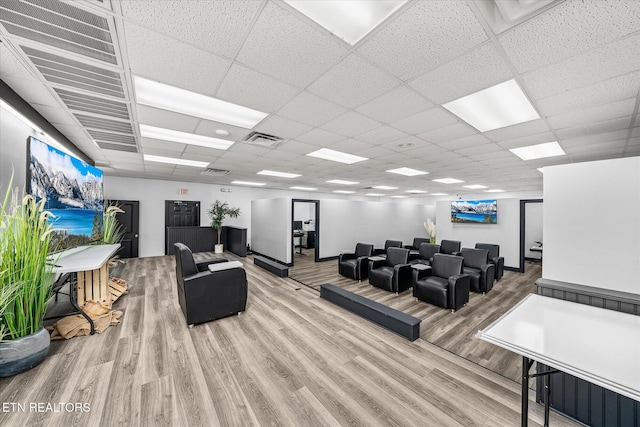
[[478, 267], [494, 257], [443, 284], [425, 254], [355, 265], [450, 247], [415, 246], [393, 273], [387, 244], [204, 295]]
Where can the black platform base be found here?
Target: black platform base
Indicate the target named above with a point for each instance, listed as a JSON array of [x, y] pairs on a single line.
[[271, 266], [394, 320]]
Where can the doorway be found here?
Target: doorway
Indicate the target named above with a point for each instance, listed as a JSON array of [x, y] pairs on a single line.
[[305, 227], [180, 213], [130, 221], [530, 231]]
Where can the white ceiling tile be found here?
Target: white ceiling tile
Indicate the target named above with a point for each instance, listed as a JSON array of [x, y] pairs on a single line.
[[605, 92], [382, 135], [166, 119], [297, 147], [289, 49], [284, 128], [448, 133], [12, 66], [479, 149], [55, 115], [636, 130], [593, 115], [148, 51], [465, 142], [208, 128], [254, 90], [621, 124], [203, 153], [376, 152], [352, 82], [310, 109], [589, 139], [425, 36], [394, 105], [423, 122], [352, 146], [539, 138], [351, 124], [617, 146], [533, 127], [405, 144], [280, 156], [568, 29], [320, 137], [425, 151], [31, 91], [215, 26], [158, 144], [474, 71]]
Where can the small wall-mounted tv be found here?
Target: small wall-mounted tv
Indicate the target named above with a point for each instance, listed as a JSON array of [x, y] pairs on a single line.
[[72, 190], [474, 211]]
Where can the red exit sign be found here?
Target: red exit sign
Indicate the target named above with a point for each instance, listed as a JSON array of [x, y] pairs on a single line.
[[183, 191]]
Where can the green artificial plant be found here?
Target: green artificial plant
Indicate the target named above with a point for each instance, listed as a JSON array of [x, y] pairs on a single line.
[[112, 230], [218, 211]]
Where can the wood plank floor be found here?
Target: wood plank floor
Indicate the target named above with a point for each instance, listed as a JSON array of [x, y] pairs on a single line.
[[454, 332], [291, 359]]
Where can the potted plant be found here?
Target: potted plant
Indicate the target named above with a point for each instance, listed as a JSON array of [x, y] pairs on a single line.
[[25, 282], [431, 230], [218, 211]]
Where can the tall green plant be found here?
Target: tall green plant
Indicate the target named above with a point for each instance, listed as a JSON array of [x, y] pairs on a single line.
[[26, 279], [218, 211], [112, 230]]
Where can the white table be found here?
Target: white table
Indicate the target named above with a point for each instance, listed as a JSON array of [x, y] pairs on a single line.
[[595, 344]]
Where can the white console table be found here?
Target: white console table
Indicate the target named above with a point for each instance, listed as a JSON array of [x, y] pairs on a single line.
[[595, 344]]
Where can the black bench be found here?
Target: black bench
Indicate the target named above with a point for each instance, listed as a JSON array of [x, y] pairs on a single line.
[[271, 266], [394, 320]]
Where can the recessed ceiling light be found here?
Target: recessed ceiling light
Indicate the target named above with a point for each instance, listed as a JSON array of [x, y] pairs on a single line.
[[447, 180], [343, 191], [398, 197], [375, 194], [407, 171], [475, 186], [147, 131], [416, 191], [174, 161], [494, 190], [222, 132], [348, 19], [342, 181], [278, 174], [336, 156], [439, 194], [303, 188], [160, 95], [493, 108], [252, 184], [538, 151], [384, 187]]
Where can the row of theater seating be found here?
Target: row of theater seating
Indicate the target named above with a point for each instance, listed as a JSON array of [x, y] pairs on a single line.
[[439, 274]]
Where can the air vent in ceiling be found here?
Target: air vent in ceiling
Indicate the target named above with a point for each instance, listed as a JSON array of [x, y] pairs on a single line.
[[104, 124], [263, 140], [504, 14], [61, 25], [117, 147], [117, 138], [92, 104], [215, 172]]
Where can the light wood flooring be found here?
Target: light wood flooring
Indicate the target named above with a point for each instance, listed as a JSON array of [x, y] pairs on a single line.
[[291, 359]]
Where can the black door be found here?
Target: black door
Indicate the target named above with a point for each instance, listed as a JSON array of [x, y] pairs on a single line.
[[179, 213], [130, 221]]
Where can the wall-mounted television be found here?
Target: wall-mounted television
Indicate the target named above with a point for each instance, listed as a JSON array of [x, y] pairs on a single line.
[[72, 190], [474, 211]]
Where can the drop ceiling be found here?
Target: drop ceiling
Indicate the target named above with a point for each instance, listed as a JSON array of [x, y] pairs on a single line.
[[578, 62]]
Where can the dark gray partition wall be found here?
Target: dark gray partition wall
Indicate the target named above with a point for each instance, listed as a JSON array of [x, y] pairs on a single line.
[[579, 399], [202, 239]]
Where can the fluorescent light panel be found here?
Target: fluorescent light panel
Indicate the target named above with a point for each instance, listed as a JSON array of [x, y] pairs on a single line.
[[252, 184], [416, 191], [350, 20], [538, 151], [494, 190], [147, 131], [398, 197], [384, 187], [493, 108], [174, 161], [375, 194], [475, 186], [167, 97], [344, 191], [336, 156], [278, 174], [447, 180], [303, 188], [342, 182], [407, 172], [439, 194]]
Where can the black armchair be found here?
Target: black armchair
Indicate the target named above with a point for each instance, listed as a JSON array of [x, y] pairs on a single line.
[[425, 254], [443, 284], [393, 273], [206, 295], [450, 247], [478, 267], [387, 244], [415, 246], [355, 265], [494, 257]]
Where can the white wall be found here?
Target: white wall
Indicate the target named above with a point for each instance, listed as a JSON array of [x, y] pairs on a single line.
[[592, 224], [271, 225]]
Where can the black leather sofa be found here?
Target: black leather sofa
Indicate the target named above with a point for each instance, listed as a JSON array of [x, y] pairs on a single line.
[[205, 295], [425, 254], [478, 267], [494, 257], [392, 273], [355, 265], [443, 284]]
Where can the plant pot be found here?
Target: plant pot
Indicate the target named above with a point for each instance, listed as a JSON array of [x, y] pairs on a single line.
[[22, 354], [218, 248]]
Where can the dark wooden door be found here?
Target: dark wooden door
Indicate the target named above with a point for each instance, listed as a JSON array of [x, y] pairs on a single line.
[[130, 221], [179, 213]]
